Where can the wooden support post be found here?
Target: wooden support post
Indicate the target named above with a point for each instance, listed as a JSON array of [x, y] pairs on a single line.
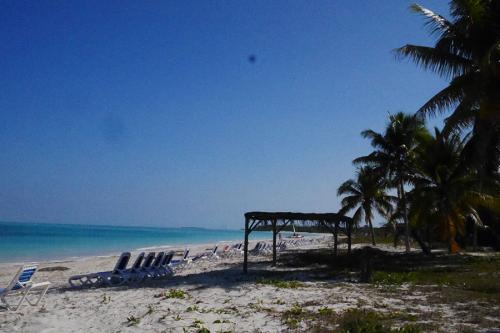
[[349, 239], [336, 238], [245, 248], [274, 242]]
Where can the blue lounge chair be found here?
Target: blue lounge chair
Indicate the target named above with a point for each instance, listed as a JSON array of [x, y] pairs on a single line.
[[164, 269], [132, 274], [154, 270], [21, 285], [115, 277], [146, 266]]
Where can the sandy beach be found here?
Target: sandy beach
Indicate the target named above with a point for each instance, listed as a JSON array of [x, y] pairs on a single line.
[[218, 297]]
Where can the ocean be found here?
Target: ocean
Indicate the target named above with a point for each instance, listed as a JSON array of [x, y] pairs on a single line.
[[28, 242]]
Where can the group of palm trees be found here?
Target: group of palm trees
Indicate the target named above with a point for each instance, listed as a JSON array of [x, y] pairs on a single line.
[[435, 182]]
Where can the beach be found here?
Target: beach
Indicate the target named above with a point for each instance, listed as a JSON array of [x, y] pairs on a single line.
[[215, 295]]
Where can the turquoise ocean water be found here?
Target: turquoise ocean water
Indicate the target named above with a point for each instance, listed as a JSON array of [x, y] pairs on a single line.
[[23, 242]]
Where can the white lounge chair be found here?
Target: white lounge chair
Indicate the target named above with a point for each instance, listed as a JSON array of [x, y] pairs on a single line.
[[207, 255], [21, 285], [177, 264], [256, 249], [261, 248], [236, 249], [115, 277]]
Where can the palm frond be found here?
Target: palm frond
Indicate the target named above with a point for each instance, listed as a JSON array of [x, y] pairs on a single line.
[[442, 62], [472, 10], [358, 216], [377, 139], [463, 117], [436, 22], [450, 96], [350, 202], [348, 187]]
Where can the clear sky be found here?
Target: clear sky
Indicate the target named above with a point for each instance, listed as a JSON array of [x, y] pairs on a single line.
[[149, 112]]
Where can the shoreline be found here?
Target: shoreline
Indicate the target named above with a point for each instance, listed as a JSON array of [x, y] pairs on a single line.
[[174, 247]]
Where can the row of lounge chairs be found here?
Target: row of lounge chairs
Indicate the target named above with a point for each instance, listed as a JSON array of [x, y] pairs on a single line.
[[145, 267], [148, 267], [262, 248]]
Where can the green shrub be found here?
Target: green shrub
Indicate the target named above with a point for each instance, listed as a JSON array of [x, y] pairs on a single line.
[[192, 308], [409, 329], [325, 311], [133, 320], [281, 283], [293, 311], [363, 321], [172, 293], [203, 330], [292, 317]]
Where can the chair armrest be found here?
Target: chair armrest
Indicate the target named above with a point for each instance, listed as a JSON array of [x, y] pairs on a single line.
[[40, 284]]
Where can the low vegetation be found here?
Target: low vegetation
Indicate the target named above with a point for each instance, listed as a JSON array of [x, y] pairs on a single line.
[[172, 293], [364, 321], [133, 321], [350, 321], [292, 284], [478, 278]]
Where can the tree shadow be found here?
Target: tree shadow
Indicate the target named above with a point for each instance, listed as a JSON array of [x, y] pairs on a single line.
[[230, 276], [314, 265]]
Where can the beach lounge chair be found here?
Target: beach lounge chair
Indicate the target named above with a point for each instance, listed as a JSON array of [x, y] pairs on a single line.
[[179, 263], [255, 250], [115, 277], [146, 266], [21, 285], [229, 250], [226, 250], [236, 249], [207, 255], [164, 269], [132, 274], [268, 248], [154, 271], [213, 254]]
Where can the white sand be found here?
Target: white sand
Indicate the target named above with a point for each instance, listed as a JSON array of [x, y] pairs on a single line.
[[221, 299]]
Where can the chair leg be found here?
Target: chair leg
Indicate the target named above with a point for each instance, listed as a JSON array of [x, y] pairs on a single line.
[[42, 293], [24, 294], [4, 301]]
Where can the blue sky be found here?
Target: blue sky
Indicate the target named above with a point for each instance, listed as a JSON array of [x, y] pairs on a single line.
[[149, 113]]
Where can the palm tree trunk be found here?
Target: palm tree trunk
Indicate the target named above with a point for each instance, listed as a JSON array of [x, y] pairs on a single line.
[[372, 232], [474, 240], [405, 215], [396, 224], [395, 231]]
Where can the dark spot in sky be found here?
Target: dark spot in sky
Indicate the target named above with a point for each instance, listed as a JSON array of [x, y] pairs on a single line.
[[113, 129], [252, 58]]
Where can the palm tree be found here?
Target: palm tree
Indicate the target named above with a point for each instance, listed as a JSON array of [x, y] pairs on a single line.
[[394, 155], [466, 52], [366, 193], [446, 193]]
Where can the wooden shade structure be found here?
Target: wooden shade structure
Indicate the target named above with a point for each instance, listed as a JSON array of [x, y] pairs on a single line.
[[279, 220]]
